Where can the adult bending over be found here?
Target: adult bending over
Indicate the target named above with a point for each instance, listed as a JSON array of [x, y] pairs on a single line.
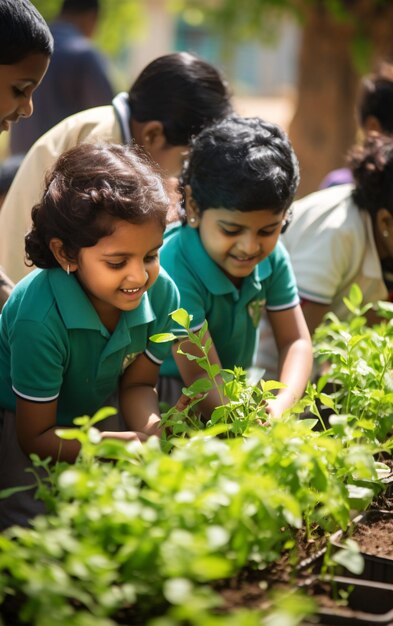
[[172, 99], [340, 236], [25, 50]]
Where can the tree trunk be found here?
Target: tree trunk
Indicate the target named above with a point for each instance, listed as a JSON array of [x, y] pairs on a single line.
[[324, 124]]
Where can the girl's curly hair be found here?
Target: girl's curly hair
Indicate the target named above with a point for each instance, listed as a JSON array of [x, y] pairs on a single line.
[[86, 183]]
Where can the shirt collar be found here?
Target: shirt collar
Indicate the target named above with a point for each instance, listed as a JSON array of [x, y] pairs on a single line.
[[210, 273], [78, 312], [122, 109]]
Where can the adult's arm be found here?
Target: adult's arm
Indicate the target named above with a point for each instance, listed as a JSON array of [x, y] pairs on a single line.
[[313, 313]]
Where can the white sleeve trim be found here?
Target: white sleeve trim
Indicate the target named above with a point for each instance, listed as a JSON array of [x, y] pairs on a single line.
[[33, 398], [153, 358], [182, 333], [195, 329], [284, 307], [312, 297]]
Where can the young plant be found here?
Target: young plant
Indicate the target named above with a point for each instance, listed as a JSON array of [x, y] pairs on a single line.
[[242, 405], [151, 532], [360, 362]]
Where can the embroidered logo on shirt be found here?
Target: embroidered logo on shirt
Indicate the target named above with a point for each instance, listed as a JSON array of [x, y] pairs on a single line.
[[128, 359], [255, 309]]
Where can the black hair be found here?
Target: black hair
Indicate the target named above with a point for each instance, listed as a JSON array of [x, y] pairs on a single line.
[[244, 164], [183, 92], [372, 169], [23, 31], [88, 183], [376, 97]]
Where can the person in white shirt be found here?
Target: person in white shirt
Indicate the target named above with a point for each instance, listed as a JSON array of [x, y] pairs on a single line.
[[340, 236]]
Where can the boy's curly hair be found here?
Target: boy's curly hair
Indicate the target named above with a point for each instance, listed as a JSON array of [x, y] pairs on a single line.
[[242, 163]]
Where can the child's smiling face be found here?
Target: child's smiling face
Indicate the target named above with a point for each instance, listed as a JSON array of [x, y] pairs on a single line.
[[118, 270], [237, 241], [17, 84]]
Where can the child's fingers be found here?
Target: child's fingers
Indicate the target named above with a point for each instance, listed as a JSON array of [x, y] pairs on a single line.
[[140, 436], [261, 423], [184, 401], [125, 435], [275, 407]]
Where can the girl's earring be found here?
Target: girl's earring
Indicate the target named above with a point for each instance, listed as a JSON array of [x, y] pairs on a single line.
[[192, 220], [68, 270]]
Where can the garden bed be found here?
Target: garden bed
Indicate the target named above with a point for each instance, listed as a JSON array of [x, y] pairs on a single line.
[[351, 602], [209, 524], [373, 533]]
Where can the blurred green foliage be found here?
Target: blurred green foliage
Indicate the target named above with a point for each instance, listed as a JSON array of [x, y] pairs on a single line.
[[247, 20], [252, 19], [124, 21], [121, 21]]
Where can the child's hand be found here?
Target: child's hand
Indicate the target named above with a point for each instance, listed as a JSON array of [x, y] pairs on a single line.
[[276, 407], [125, 435], [184, 401]]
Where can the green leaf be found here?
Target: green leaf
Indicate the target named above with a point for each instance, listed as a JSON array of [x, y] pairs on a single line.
[[359, 497], [182, 318], [355, 295], [269, 385], [163, 337], [214, 370], [190, 357], [211, 567], [6, 493], [310, 423], [202, 385], [215, 430], [350, 557], [102, 414], [385, 309], [327, 401]]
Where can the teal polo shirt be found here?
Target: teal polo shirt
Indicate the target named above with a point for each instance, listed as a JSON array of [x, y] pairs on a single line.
[[207, 294], [53, 344]]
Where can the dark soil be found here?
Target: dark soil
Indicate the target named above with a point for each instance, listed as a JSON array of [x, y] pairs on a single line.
[[374, 534], [383, 502], [251, 588]]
